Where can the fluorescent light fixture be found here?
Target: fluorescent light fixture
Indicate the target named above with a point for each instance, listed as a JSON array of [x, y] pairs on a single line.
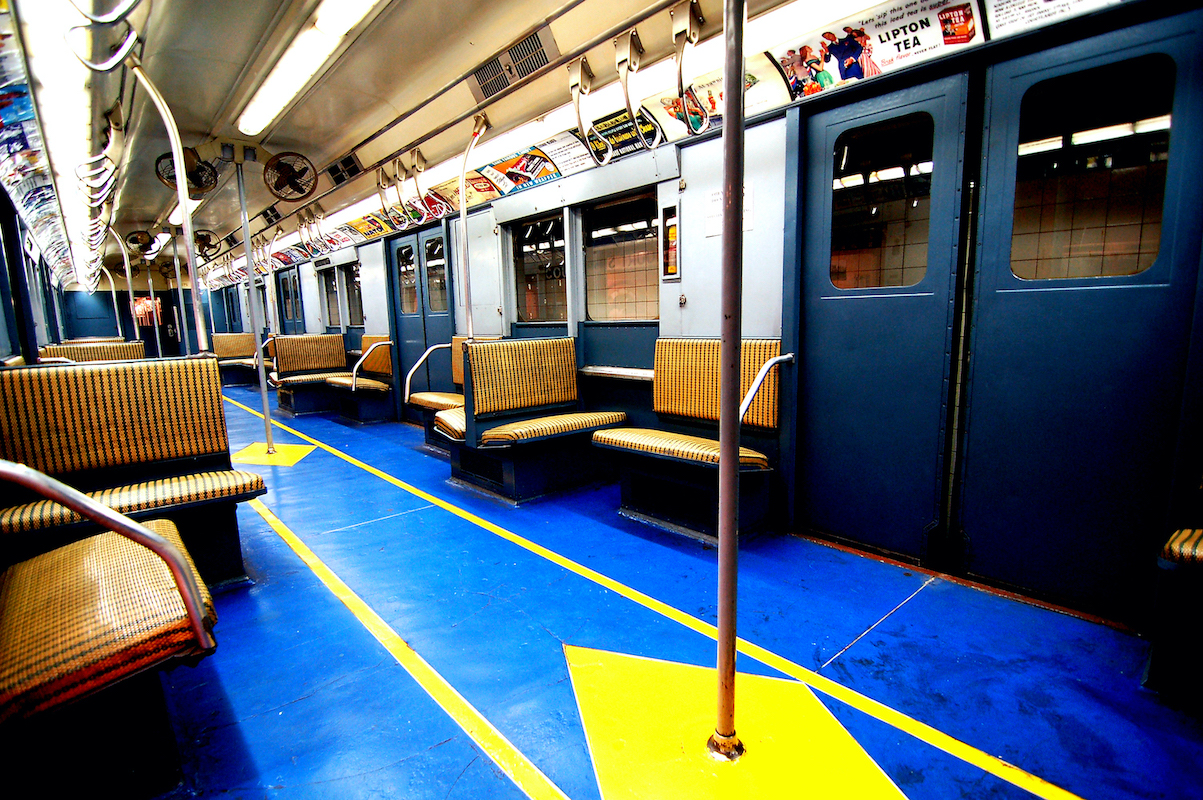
[[1040, 146], [1103, 134], [852, 180], [176, 218], [302, 60], [891, 174], [1161, 123]]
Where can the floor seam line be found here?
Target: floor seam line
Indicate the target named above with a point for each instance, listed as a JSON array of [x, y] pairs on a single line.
[[848, 646], [378, 519]]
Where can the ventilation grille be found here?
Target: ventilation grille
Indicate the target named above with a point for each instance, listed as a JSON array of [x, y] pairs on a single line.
[[514, 64], [270, 215], [231, 240], [528, 56], [343, 171]]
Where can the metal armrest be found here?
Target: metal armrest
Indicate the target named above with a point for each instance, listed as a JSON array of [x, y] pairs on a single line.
[[788, 358], [364, 357], [421, 361], [108, 518]]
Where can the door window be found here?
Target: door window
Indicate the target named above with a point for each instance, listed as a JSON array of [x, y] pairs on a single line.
[[539, 270], [436, 275], [621, 259], [1090, 180], [330, 292], [881, 192], [354, 294], [408, 270]]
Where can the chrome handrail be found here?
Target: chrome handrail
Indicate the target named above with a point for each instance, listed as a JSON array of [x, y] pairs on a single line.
[[363, 358], [106, 517], [422, 361], [788, 358]]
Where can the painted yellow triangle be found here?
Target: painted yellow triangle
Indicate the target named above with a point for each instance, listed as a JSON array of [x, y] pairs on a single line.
[[647, 722], [286, 455]]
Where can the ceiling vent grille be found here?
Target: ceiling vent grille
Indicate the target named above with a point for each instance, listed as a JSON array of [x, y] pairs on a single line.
[[343, 171], [514, 64], [270, 215]]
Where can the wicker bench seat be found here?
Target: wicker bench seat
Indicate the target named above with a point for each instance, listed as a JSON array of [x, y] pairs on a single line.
[[148, 437], [94, 351], [365, 393], [303, 363], [235, 357], [521, 433], [670, 476]]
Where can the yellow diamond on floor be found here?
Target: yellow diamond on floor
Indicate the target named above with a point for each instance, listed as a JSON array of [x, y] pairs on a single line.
[[286, 455], [647, 722]]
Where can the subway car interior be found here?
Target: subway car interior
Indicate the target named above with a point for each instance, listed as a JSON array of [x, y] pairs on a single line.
[[363, 409]]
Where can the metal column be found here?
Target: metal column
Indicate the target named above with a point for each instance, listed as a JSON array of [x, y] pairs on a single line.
[[250, 265]]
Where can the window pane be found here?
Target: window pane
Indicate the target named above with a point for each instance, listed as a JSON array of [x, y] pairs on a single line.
[[407, 267], [330, 289], [621, 260], [879, 207], [436, 275], [1089, 185], [354, 296], [539, 270]]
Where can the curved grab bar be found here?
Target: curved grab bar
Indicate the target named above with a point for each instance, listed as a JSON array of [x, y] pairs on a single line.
[[116, 15], [628, 51], [421, 361], [580, 81], [363, 358], [123, 50], [788, 358], [687, 24], [106, 517]]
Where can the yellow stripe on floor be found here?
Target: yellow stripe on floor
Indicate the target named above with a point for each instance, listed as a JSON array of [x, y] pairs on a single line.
[[509, 758], [913, 727]]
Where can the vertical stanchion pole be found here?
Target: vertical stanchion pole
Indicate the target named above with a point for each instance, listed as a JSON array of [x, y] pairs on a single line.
[[129, 280], [724, 744], [182, 319], [250, 266], [154, 313], [479, 124], [116, 305]]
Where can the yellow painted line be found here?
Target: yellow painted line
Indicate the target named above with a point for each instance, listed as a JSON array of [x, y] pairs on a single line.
[[921, 731], [509, 758]]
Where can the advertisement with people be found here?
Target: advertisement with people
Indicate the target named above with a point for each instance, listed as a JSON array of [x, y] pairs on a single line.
[[885, 38]]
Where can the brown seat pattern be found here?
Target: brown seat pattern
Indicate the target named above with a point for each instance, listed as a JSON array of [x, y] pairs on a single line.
[[309, 377], [451, 422], [361, 383], [86, 615], [234, 345], [554, 425], [686, 379], [437, 400], [16, 360], [522, 373], [1184, 547], [158, 494], [310, 353], [95, 351], [678, 446]]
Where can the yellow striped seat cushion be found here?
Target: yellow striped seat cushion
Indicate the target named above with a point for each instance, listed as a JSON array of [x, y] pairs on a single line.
[[522, 373], [555, 425], [362, 384], [379, 360], [86, 615], [451, 423], [247, 362], [686, 379], [312, 377], [95, 351], [437, 400], [310, 352], [161, 493], [16, 360], [679, 446], [61, 419], [233, 345], [1184, 547]]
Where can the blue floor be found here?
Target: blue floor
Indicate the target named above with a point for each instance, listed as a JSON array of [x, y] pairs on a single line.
[[300, 700]]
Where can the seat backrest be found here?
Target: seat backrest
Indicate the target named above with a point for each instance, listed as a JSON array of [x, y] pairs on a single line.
[[234, 345], [380, 361], [310, 352], [95, 351], [686, 379], [71, 417], [522, 373], [457, 355]]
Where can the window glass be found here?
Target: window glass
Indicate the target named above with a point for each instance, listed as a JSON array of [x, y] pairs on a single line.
[[330, 292], [1090, 180], [233, 308], [881, 193], [621, 259], [436, 275], [407, 268], [539, 270], [285, 289], [354, 296]]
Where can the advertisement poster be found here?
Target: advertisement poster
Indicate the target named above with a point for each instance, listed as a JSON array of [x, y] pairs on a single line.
[[702, 107], [881, 39], [521, 170], [616, 129], [1012, 16], [480, 190]]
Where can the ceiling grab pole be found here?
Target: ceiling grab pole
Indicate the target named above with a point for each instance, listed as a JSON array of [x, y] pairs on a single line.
[[480, 123], [181, 186], [129, 280], [724, 744], [116, 305], [250, 263], [179, 288], [155, 319]]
